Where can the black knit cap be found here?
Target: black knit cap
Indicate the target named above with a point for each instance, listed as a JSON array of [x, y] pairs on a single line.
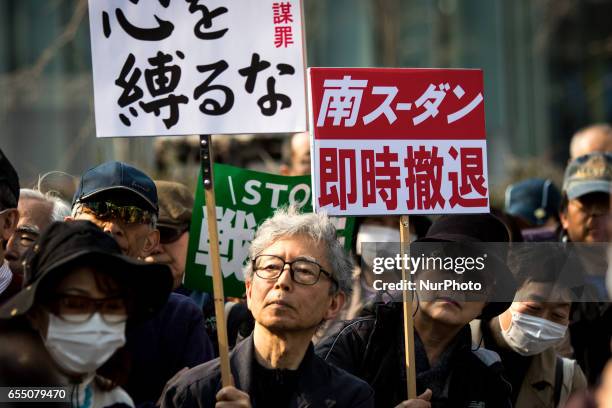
[[67, 243], [8, 176]]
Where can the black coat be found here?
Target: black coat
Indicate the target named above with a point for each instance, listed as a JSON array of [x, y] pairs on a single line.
[[319, 384], [372, 348], [161, 346]]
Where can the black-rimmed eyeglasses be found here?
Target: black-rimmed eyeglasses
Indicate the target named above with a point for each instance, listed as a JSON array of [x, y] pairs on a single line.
[[304, 272]]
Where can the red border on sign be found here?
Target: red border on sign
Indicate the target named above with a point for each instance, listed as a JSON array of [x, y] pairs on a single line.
[[411, 84]]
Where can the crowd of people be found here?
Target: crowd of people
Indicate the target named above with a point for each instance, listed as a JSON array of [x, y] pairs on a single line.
[[92, 299]]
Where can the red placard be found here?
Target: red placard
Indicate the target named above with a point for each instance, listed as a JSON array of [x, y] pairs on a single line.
[[398, 141], [394, 103]]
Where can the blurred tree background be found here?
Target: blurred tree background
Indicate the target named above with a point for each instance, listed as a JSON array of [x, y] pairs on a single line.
[[547, 66]]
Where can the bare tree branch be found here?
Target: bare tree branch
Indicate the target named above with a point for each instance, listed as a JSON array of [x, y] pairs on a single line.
[[26, 79]]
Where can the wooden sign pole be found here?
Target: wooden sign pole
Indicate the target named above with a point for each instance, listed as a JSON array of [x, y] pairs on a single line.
[[408, 318], [206, 162]]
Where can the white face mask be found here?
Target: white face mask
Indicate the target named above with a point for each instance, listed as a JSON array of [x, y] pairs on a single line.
[[377, 233], [81, 348], [529, 335], [374, 233]]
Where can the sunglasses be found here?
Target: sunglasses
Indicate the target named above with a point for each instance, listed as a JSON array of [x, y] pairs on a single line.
[[79, 309], [168, 235], [129, 214]]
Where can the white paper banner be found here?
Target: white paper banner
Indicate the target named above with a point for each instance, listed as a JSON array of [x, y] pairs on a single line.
[[364, 177], [180, 67]]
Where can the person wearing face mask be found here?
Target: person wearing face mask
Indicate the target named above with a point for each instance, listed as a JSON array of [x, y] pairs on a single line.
[[585, 213], [525, 335], [79, 292], [449, 372], [376, 229]]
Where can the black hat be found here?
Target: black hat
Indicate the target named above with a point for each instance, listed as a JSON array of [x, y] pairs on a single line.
[[480, 229], [64, 243], [467, 228], [8, 176], [117, 177]]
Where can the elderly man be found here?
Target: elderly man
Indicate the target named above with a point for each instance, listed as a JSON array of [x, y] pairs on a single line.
[[122, 201], [36, 212], [585, 211], [585, 203], [593, 138], [9, 216], [449, 373], [298, 277], [175, 206], [296, 155]]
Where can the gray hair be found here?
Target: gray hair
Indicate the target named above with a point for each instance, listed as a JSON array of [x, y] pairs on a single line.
[[288, 222], [59, 208]]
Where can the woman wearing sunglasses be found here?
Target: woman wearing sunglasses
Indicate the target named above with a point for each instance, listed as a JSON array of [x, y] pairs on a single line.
[[79, 292]]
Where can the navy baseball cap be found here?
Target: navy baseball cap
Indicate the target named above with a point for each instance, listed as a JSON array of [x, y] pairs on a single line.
[[535, 200], [591, 173], [119, 181]]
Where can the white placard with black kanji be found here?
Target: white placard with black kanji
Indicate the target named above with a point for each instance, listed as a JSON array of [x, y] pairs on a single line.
[[180, 67]]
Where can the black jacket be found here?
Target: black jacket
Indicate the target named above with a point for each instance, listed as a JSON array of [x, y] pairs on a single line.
[[161, 346], [319, 384], [372, 348]]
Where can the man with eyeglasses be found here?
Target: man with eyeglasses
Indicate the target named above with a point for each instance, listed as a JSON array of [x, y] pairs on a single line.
[[79, 292], [123, 201], [36, 212], [585, 213], [175, 207], [585, 202], [299, 276], [9, 216]]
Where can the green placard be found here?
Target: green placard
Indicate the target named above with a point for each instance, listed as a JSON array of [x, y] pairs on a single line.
[[244, 200]]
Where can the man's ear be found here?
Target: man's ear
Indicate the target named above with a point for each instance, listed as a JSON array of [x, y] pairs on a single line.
[[151, 243], [9, 223], [563, 218], [335, 305], [249, 286]]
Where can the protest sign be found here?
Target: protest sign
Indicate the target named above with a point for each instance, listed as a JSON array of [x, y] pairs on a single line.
[[184, 67], [244, 200], [398, 141]]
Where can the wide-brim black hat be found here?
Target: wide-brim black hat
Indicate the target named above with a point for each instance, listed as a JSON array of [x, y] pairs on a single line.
[[64, 244], [479, 230]]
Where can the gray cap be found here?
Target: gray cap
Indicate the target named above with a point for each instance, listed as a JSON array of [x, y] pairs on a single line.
[[591, 173]]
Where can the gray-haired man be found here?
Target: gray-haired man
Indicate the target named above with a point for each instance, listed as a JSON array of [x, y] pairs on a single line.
[[298, 277], [9, 216], [36, 212]]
